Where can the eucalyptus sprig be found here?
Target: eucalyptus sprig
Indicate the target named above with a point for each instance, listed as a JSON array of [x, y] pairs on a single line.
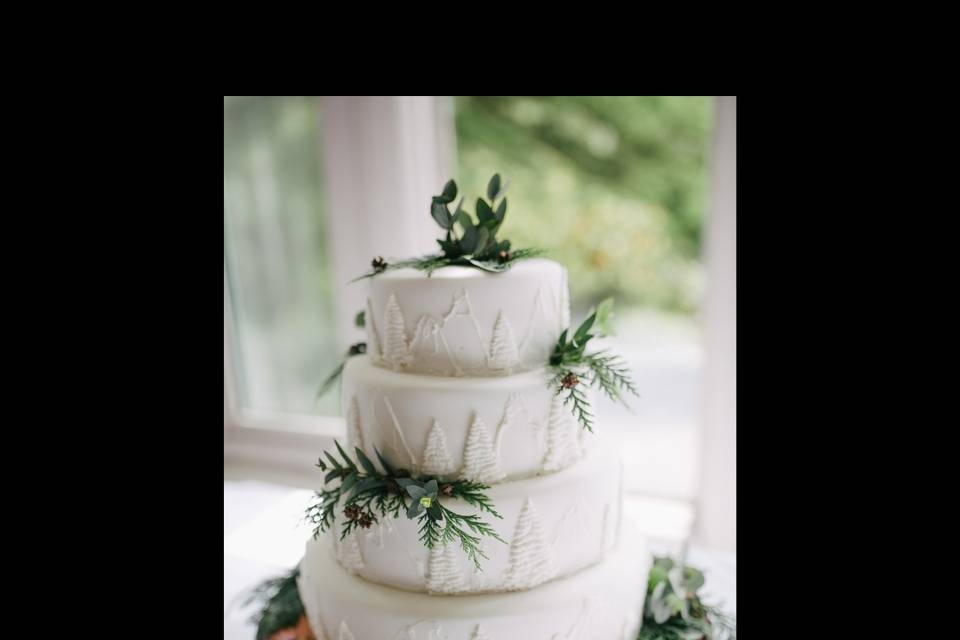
[[475, 244], [674, 611], [369, 494], [572, 366]]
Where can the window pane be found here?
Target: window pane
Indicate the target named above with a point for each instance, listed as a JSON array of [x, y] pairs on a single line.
[[614, 188], [275, 249]]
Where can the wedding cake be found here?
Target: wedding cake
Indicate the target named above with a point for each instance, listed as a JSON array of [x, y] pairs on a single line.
[[454, 385]]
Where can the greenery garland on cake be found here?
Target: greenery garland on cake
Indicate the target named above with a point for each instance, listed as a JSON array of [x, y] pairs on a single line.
[[368, 494], [475, 245], [674, 611], [572, 366]]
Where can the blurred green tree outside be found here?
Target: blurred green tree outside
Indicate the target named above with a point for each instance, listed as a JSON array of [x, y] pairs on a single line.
[[612, 186]]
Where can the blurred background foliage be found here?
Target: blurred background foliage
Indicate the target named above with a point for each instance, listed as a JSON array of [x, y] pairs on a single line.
[[613, 186]]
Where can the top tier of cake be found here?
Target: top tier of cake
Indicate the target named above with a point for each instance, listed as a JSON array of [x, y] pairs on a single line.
[[462, 321]]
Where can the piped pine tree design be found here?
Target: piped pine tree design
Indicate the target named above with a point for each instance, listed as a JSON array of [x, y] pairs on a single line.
[[479, 458], [503, 348], [354, 431], [436, 459], [396, 351], [374, 342], [479, 634], [345, 633], [530, 561], [443, 571], [349, 553], [562, 445]]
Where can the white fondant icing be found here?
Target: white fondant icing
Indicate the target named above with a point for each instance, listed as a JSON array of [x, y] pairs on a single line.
[[443, 570], [575, 541], [373, 335], [503, 349], [354, 430], [396, 352], [348, 553], [436, 458], [479, 634], [531, 559], [562, 445], [375, 612], [438, 324], [399, 409], [479, 457]]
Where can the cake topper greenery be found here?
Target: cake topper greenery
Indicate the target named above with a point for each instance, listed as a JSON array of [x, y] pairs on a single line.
[[475, 244], [674, 611], [280, 607], [573, 367], [368, 494]]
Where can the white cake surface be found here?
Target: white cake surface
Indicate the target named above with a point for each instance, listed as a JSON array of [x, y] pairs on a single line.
[[462, 321], [484, 429], [552, 525], [603, 602]]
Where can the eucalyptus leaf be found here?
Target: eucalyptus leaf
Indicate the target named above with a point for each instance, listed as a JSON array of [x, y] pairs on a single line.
[[406, 482], [440, 213], [583, 329], [365, 462], [348, 481], [604, 313], [484, 212], [468, 243], [431, 488], [693, 578], [493, 187], [414, 509], [360, 319], [416, 492], [675, 576], [483, 237], [463, 218], [346, 458], [449, 191], [502, 210], [386, 466]]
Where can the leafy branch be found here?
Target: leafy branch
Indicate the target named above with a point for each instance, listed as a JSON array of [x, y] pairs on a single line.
[[369, 494], [572, 365], [674, 611], [281, 607], [357, 349], [474, 245]]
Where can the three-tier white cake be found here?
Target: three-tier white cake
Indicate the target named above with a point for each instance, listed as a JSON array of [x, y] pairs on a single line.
[[455, 386]]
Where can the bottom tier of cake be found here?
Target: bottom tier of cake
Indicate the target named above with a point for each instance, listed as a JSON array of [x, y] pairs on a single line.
[[602, 602]]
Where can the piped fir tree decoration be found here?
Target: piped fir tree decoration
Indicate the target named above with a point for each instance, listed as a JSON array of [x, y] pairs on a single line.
[[357, 349], [573, 367], [674, 611], [467, 242], [368, 494], [281, 613]]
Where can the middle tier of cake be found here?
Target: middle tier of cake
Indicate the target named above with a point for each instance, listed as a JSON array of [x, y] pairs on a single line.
[[552, 526], [482, 429]]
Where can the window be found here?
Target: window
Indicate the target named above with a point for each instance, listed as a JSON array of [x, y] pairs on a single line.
[[278, 268], [615, 188]]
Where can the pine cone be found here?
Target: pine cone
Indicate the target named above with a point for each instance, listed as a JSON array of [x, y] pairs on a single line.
[[352, 512], [570, 380], [447, 490], [365, 521], [379, 264]]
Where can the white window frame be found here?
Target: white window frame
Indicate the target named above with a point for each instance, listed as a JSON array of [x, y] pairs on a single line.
[[383, 158]]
